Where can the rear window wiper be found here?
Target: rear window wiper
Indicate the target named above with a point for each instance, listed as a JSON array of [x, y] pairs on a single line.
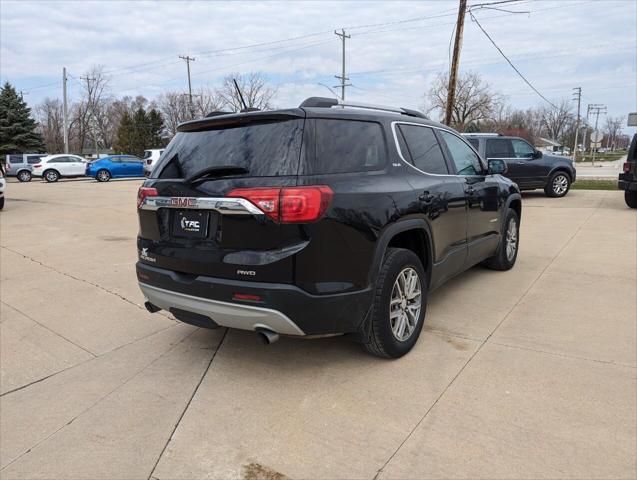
[[216, 171]]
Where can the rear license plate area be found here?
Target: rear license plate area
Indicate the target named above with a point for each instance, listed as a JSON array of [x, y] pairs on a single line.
[[190, 223]]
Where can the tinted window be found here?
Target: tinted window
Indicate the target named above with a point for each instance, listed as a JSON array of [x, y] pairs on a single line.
[[474, 142], [264, 149], [464, 158], [15, 159], [499, 148], [59, 160], [147, 154], [33, 159], [423, 149], [522, 149], [347, 146]]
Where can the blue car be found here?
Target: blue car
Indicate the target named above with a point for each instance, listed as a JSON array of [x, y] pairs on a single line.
[[115, 166]]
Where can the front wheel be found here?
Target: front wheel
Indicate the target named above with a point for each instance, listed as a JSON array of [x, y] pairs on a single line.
[[630, 198], [103, 176], [507, 252], [51, 176], [24, 176], [399, 303], [559, 184]]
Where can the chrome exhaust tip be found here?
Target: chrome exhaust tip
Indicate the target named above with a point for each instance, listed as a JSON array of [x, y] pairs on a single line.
[[267, 336]]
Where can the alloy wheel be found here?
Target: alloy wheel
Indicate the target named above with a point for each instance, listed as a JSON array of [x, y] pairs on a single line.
[[24, 176], [405, 304], [51, 176], [103, 176], [560, 184], [511, 239]]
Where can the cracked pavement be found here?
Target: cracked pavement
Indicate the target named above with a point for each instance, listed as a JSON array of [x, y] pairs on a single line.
[[530, 373]]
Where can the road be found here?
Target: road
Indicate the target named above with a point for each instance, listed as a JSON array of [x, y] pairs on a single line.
[[604, 170], [529, 373]]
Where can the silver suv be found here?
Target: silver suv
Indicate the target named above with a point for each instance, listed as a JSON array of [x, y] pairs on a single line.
[[21, 165]]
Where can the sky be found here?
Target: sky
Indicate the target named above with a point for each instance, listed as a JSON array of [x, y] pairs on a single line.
[[395, 51]]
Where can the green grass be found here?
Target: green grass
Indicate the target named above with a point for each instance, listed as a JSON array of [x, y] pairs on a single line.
[[603, 157], [595, 185]]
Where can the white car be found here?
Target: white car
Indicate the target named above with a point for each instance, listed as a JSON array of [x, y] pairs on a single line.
[[53, 167], [150, 159], [3, 184]]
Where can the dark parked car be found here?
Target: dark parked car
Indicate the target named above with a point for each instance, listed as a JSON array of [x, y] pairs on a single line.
[[528, 167], [317, 221], [628, 178]]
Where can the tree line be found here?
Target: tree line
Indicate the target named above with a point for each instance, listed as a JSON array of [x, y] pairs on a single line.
[[97, 118]]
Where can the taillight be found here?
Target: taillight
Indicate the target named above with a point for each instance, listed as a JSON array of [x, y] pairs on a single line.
[[144, 192], [289, 204], [627, 166], [148, 162], [37, 165]]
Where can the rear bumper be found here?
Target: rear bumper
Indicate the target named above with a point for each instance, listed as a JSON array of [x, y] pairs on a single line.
[[627, 181], [283, 308]]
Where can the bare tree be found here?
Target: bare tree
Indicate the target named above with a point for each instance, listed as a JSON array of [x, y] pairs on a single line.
[[475, 101], [556, 121], [175, 109], [50, 119], [205, 101], [612, 131], [254, 88]]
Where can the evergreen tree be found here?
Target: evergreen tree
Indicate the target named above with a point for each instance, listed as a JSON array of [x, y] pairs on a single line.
[[124, 142], [140, 132], [17, 129]]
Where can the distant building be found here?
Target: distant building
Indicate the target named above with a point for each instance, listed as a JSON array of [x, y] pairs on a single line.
[[551, 146], [89, 153]]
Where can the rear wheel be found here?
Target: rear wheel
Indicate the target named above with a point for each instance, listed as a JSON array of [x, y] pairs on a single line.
[[630, 198], [507, 252], [103, 176], [51, 176], [398, 309], [24, 176], [558, 185]]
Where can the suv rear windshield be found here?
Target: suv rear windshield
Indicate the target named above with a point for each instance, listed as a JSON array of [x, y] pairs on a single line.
[[264, 149]]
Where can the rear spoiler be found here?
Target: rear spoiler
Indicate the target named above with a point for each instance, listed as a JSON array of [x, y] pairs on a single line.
[[236, 119]]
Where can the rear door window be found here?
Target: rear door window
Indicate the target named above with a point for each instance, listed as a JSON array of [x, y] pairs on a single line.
[[15, 159], [464, 158], [345, 146], [264, 149], [423, 149], [499, 148]]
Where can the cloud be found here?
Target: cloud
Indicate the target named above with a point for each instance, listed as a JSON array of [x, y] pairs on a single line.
[[395, 50]]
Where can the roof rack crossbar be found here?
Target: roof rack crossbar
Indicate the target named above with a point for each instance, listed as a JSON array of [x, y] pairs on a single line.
[[324, 102]]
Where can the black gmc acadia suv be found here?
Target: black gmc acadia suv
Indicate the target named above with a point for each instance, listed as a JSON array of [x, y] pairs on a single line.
[[526, 166], [326, 219]]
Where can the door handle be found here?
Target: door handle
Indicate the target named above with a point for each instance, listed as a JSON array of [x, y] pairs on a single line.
[[470, 191], [426, 198]]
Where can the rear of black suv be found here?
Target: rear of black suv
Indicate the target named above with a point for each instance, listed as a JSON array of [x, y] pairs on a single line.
[[319, 220], [240, 227]]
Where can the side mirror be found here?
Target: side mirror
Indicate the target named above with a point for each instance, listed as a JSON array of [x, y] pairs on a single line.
[[537, 154], [497, 166]]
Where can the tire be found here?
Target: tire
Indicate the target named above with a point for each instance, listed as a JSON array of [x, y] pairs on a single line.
[[382, 336], [24, 176], [103, 175], [630, 198], [1, 202], [51, 176], [558, 185], [507, 252]]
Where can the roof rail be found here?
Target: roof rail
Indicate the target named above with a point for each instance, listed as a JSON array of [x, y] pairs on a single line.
[[468, 134], [325, 102], [217, 113]]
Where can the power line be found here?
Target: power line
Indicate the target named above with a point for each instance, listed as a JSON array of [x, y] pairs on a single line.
[[511, 63]]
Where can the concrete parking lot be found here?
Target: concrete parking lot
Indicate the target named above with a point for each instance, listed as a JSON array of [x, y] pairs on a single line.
[[529, 373]]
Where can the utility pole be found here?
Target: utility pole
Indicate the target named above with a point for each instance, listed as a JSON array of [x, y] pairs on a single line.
[[597, 109], [342, 77], [578, 96], [65, 112], [188, 60], [92, 116], [453, 74]]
